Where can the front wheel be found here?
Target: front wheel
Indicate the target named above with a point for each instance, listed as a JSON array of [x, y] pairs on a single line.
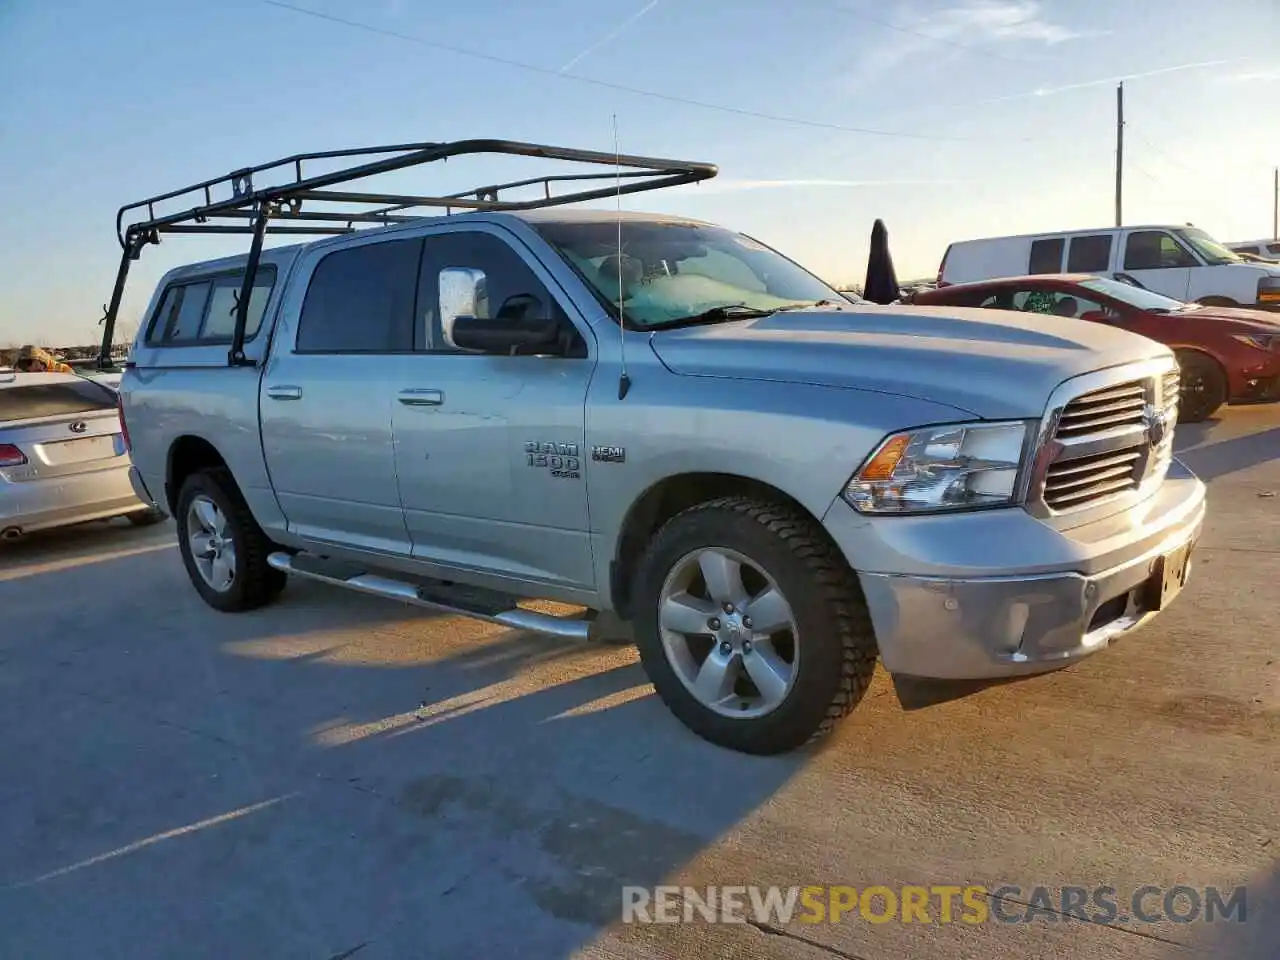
[[751, 625], [1203, 387], [223, 548]]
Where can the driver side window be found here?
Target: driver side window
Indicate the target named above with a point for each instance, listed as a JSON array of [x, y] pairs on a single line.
[[1155, 250], [480, 275]]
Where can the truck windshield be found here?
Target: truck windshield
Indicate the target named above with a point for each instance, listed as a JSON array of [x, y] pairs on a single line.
[[670, 272], [1209, 248]]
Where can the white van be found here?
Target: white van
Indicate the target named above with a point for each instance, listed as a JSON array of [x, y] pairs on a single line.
[[1266, 249], [1181, 262]]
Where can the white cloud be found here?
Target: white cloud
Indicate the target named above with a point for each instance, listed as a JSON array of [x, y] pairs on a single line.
[[987, 21], [1265, 75], [730, 185], [1106, 81], [984, 26]]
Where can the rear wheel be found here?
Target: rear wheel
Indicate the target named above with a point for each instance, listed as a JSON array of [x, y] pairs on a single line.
[[1204, 387], [223, 548], [751, 625]]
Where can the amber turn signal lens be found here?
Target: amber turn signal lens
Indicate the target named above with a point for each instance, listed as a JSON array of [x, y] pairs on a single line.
[[882, 465]]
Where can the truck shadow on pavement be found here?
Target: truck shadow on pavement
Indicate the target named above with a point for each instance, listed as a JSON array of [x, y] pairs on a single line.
[[1210, 459], [333, 772], [1253, 936]]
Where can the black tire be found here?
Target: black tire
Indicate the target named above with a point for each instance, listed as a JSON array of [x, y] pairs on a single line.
[[255, 582], [1217, 302], [146, 518], [838, 642], [1204, 387]]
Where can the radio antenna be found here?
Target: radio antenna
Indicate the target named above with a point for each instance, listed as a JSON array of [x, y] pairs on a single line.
[[624, 379]]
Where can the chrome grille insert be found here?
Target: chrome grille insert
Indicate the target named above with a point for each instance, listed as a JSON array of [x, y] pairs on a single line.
[[1116, 406], [1109, 440]]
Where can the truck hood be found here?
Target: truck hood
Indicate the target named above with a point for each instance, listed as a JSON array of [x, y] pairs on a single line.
[[988, 363]]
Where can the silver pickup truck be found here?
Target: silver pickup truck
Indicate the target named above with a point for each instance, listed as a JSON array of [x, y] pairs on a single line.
[[673, 426]]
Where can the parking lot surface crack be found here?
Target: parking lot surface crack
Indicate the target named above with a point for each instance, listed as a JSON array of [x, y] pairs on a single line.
[[771, 930], [1084, 919]]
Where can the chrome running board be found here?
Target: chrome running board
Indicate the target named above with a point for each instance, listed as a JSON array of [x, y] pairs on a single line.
[[448, 598]]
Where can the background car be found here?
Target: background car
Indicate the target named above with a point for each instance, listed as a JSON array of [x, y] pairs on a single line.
[[62, 457], [1262, 249], [1226, 354], [1182, 262]]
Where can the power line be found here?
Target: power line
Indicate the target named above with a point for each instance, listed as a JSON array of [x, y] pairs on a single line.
[[608, 84], [1160, 153], [1149, 175]]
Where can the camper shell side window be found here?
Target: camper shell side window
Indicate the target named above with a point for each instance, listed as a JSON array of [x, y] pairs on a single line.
[[200, 310]]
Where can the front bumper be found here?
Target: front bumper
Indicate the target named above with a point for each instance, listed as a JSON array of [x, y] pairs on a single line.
[[1000, 594]]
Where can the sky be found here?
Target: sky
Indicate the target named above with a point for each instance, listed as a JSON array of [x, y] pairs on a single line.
[[948, 119]]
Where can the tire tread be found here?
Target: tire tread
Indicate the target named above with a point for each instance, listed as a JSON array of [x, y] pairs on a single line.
[[259, 582], [838, 588]]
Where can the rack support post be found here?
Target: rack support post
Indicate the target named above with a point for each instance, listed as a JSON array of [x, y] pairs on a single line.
[[113, 309], [236, 357]]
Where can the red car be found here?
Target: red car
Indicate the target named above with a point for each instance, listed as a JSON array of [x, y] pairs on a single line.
[[1227, 354]]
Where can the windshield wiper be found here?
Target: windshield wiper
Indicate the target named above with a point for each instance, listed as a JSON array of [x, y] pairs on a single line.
[[811, 304], [729, 311]]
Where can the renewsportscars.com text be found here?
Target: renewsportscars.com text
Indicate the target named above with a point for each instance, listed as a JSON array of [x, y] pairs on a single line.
[[779, 906]]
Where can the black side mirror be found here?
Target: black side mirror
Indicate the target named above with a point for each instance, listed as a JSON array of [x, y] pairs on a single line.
[[507, 335]]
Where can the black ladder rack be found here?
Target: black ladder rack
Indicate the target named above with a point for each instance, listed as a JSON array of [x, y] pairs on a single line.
[[278, 209]]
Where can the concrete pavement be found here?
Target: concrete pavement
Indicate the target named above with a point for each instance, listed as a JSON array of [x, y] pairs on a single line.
[[341, 776]]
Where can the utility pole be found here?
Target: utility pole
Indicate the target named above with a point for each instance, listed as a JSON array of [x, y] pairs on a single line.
[[1275, 215], [1119, 153]]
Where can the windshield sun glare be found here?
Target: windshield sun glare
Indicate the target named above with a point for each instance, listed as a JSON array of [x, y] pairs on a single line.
[[669, 271]]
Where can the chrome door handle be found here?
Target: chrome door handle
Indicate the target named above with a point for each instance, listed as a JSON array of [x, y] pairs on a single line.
[[421, 398], [284, 393]]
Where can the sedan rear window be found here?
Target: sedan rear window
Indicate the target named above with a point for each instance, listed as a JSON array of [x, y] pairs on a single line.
[[37, 400]]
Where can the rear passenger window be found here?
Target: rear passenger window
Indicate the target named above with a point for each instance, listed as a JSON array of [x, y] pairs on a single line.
[[1273, 249], [1046, 256], [1089, 254], [361, 300]]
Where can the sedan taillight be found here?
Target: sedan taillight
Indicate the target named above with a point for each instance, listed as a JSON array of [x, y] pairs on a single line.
[[124, 427], [11, 456]]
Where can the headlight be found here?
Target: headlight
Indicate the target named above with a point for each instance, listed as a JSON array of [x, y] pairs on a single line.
[[1269, 290], [1263, 341], [957, 467]]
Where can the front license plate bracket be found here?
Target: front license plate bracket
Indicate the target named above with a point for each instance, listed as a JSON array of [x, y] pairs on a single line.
[[1169, 577]]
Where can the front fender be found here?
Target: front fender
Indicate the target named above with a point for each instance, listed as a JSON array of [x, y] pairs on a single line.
[[802, 440]]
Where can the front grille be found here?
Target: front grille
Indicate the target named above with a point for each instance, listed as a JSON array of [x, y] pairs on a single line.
[[1073, 483], [1102, 442], [1170, 387], [1105, 409]]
